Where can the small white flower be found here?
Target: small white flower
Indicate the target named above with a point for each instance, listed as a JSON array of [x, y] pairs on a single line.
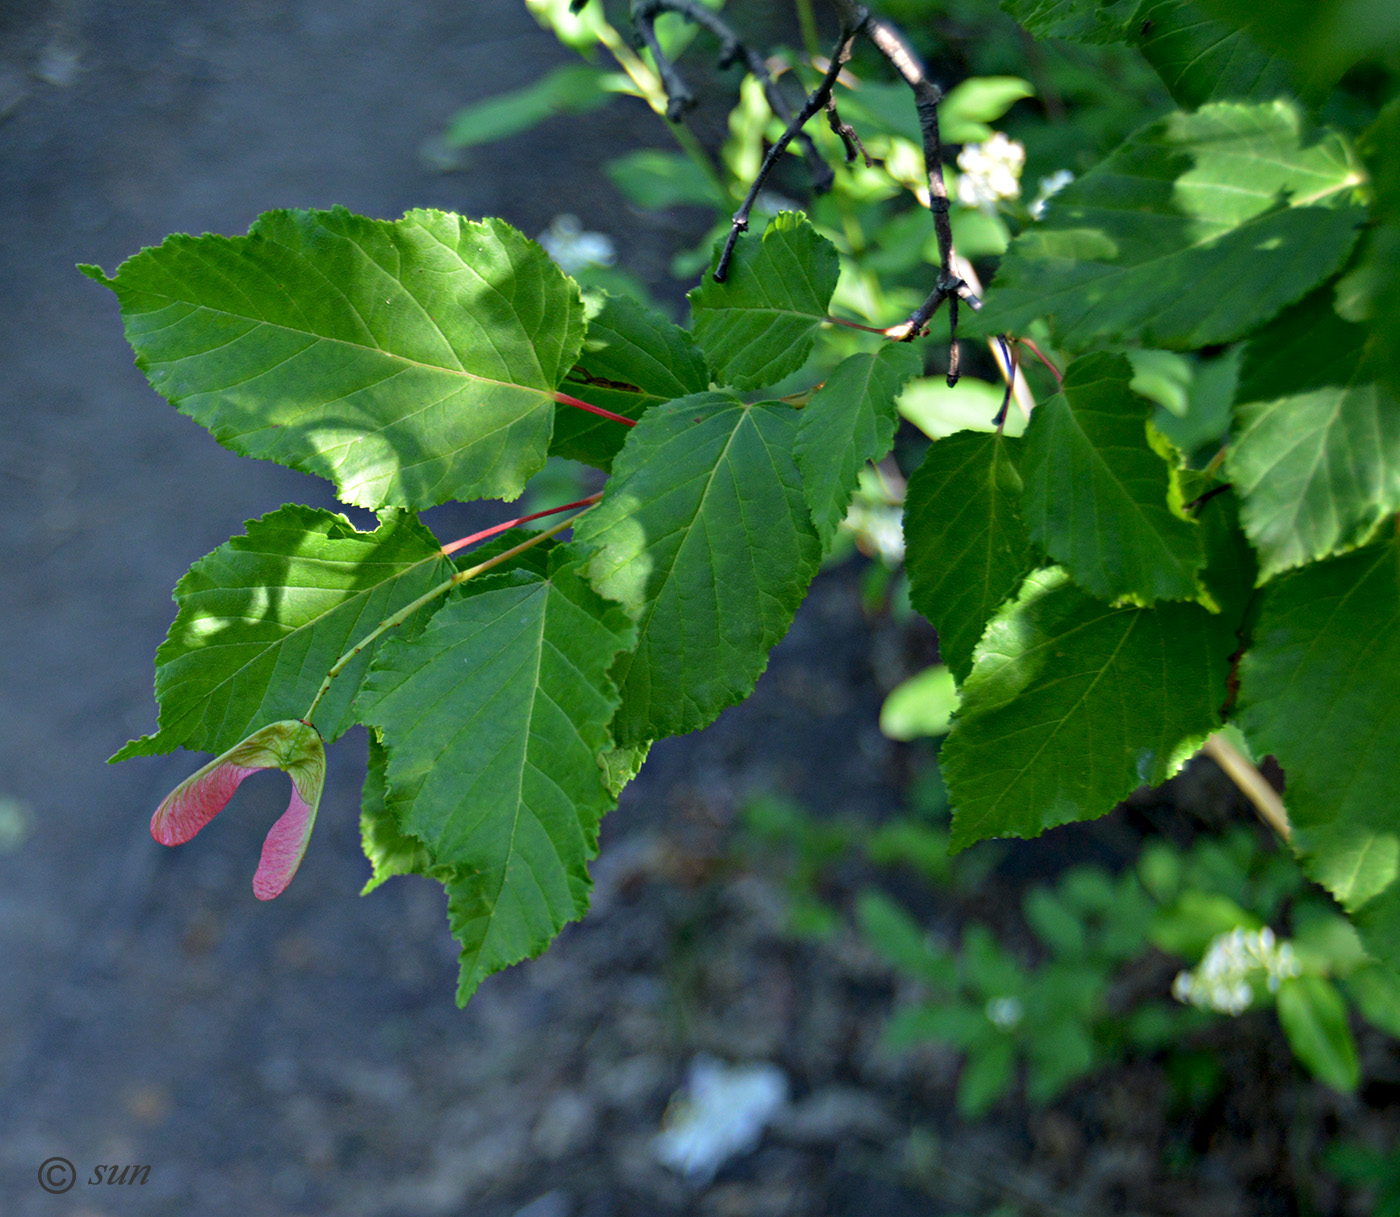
[[1224, 980], [572, 248], [1005, 1013], [991, 172], [1049, 186]]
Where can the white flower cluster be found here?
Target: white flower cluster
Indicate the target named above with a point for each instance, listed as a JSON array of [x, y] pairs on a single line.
[[1224, 979], [572, 248], [991, 172]]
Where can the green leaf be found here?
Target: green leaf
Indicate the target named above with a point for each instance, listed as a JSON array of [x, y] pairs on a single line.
[[972, 405], [1094, 21], [1200, 59], [494, 719], [632, 359], [1314, 1018], [1324, 36], [759, 324], [704, 537], [574, 88], [262, 619], [921, 706], [1196, 230], [904, 944], [410, 362], [1054, 923], [963, 114], [389, 849], [1378, 145], [655, 180], [1376, 991], [1187, 926], [1315, 452], [850, 420], [1318, 690], [1097, 494], [989, 1072], [621, 765], [967, 548], [1073, 704]]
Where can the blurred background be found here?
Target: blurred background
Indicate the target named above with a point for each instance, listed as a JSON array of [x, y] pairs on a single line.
[[782, 968]]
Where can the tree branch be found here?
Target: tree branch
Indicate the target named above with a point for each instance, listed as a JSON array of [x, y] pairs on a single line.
[[732, 50]]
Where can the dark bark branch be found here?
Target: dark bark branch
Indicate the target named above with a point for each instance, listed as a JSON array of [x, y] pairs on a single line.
[[818, 98], [732, 50], [903, 58]]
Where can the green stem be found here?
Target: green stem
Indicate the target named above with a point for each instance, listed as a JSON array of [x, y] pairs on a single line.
[[403, 614]]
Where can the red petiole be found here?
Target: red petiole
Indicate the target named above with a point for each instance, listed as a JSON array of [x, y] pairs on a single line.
[[565, 400], [463, 542]]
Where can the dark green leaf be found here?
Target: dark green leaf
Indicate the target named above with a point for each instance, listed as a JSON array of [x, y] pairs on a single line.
[[410, 362], [1315, 453], [1378, 145], [1199, 228], [704, 537], [1094, 21], [1200, 59], [850, 420], [759, 324], [1097, 494], [632, 359], [1324, 37], [1073, 704], [1318, 690], [967, 548], [262, 619], [494, 720]]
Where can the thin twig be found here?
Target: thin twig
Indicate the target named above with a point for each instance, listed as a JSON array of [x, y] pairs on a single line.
[[1252, 784], [846, 134], [815, 101]]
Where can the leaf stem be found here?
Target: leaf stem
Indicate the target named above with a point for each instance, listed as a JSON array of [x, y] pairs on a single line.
[[565, 400], [403, 614], [463, 542]]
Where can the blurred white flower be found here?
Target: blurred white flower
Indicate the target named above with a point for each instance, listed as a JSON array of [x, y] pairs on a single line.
[[720, 1114], [1224, 980], [1005, 1013], [876, 516], [991, 172], [572, 248], [1049, 186]]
